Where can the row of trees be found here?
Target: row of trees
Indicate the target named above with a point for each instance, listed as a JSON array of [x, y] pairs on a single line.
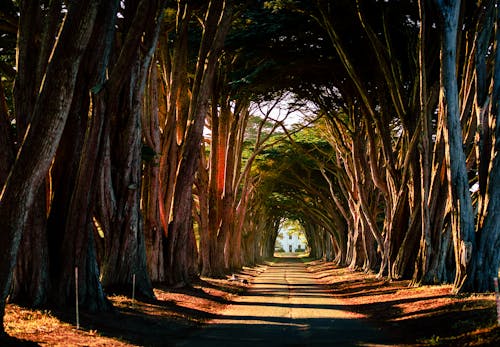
[[130, 133], [134, 144], [410, 106], [106, 115]]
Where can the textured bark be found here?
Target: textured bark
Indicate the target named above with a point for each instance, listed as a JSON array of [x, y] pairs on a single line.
[[462, 216], [483, 104], [181, 259], [64, 174], [119, 212], [403, 265], [228, 243], [30, 284], [37, 34], [71, 227], [206, 240], [367, 212], [486, 259], [153, 230], [77, 243], [434, 249], [436, 271], [41, 141], [216, 238], [425, 156], [175, 96]]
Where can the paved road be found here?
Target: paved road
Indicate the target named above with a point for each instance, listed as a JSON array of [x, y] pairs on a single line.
[[286, 306]]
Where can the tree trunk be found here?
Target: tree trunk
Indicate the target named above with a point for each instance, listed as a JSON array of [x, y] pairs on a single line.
[[64, 175], [462, 216], [484, 119], [153, 228], [37, 33], [72, 223], [425, 249], [6, 140], [31, 276], [486, 259], [206, 240], [49, 117], [181, 259], [124, 254]]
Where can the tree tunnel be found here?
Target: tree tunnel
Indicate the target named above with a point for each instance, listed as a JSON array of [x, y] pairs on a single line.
[[296, 189], [167, 156], [386, 175]]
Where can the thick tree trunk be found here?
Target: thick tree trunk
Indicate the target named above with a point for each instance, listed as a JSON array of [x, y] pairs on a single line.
[[486, 259], [484, 119], [77, 243], [229, 215], [72, 223], [153, 229], [124, 248], [64, 174], [367, 213], [403, 265], [181, 259], [216, 233], [31, 276], [425, 155], [124, 255], [462, 215], [357, 250], [49, 117], [37, 34]]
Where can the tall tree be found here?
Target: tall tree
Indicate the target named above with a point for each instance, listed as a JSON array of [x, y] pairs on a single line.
[[40, 143], [31, 277], [486, 256], [180, 263], [119, 213], [462, 217]]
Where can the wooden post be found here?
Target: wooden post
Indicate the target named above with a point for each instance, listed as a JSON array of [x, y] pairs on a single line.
[[133, 290], [76, 299], [497, 297]]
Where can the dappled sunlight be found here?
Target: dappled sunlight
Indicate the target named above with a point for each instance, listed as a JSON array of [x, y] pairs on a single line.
[[407, 311], [288, 303]]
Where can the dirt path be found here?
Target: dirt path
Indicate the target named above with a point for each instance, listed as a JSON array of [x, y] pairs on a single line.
[[286, 306]]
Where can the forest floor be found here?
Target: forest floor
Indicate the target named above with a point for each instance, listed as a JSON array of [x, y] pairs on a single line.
[[422, 316]]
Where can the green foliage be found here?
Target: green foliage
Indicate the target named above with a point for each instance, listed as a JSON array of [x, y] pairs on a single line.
[[287, 172], [275, 49], [277, 5]]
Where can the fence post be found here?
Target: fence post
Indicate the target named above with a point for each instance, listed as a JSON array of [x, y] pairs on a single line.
[[497, 297], [76, 299], [133, 290]]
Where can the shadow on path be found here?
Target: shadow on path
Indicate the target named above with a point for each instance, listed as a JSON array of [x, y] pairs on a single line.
[[286, 306]]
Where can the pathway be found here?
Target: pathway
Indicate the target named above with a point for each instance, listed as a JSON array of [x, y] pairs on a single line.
[[286, 306]]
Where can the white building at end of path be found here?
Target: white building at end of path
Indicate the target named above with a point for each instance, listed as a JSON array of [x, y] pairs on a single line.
[[288, 241]]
